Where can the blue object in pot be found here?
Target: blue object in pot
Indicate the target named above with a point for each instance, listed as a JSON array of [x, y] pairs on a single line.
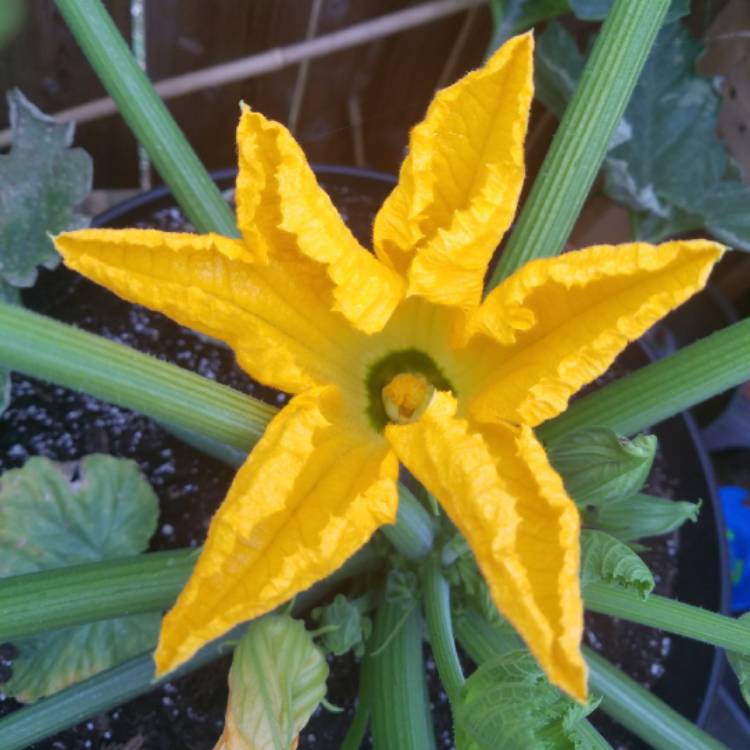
[[735, 503]]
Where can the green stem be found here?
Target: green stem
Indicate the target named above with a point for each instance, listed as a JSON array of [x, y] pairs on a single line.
[[79, 594], [584, 135], [437, 606], [395, 681], [670, 615], [355, 735], [62, 597], [223, 452], [664, 388], [479, 638], [147, 115], [43, 348], [638, 710], [624, 700], [414, 530]]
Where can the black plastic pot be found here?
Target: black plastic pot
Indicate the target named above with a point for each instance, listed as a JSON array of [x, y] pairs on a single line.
[[692, 670]]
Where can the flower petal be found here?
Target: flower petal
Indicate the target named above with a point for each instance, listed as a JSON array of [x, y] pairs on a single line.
[[284, 214], [496, 485], [282, 333], [459, 186], [562, 321], [312, 492]]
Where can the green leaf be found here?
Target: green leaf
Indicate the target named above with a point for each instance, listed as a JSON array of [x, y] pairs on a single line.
[[7, 294], [654, 228], [643, 516], [52, 516], [597, 10], [508, 702], [532, 12], [42, 179], [514, 16], [741, 664], [598, 466], [604, 558], [57, 659], [724, 208], [673, 151], [350, 629], [278, 678], [667, 163], [674, 168]]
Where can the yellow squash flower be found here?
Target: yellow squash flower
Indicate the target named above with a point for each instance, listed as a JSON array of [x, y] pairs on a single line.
[[393, 356]]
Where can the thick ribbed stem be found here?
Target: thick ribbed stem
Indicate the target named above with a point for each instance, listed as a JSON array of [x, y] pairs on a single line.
[[638, 710], [395, 681], [670, 615], [437, 606]]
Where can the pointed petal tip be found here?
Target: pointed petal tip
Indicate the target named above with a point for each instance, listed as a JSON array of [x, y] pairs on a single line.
[[521, 44], [572, 679], [250, 126], [524, 41], [170, 656], [66, 243], [162, 665], [717, 249]]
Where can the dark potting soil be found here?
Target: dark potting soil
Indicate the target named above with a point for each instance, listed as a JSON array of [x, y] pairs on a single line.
[[63, 425]]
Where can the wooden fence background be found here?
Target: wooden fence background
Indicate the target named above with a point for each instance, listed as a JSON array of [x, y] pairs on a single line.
[[391, 80]]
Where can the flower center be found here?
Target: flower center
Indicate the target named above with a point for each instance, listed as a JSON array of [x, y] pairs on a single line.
[[400, 387], [406, 397]]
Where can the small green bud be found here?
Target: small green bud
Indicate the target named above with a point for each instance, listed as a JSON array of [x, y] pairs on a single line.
[[643, 516], [598, 466], [402, 588], [345, 627], [278, 678]]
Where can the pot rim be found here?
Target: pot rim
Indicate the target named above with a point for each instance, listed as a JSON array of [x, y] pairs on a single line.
[[142, 199]]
